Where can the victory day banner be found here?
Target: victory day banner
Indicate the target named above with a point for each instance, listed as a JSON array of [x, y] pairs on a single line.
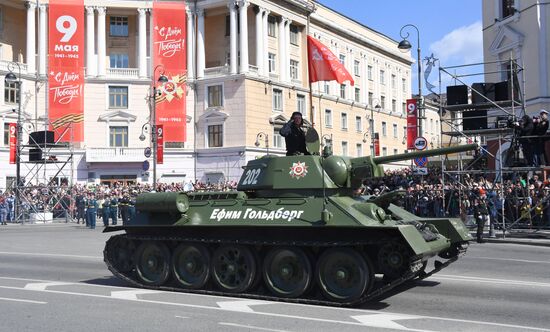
[[66, 68], [13, 142], [412, 110], [169, 58]]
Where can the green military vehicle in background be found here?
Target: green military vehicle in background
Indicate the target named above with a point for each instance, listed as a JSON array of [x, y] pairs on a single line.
[[293, 230]]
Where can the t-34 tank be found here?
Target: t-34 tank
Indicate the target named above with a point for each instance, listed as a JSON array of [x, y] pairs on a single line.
[[293, 230]]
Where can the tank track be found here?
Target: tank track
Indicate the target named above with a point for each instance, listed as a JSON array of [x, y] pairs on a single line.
[[415, 269]]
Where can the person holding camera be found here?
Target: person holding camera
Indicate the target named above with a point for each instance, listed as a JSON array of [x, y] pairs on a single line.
[[294, 134], [540, 128], [525, 128]]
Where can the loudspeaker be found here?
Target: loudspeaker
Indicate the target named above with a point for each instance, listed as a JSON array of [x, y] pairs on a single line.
[[35, 155], [502, 91], [486, 89], [457, 95], [39, 138], [473, 120]]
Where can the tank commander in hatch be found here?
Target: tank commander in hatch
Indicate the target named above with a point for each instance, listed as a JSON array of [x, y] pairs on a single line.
[[295, 137]]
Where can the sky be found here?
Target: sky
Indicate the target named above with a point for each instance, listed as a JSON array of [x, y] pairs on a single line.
[[450, 29]]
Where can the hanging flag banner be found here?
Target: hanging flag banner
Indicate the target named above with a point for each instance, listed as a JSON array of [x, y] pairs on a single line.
[[170, 60], [376, 144], [160, 144], [66, 69], [13, 142], [412, 111], [323, 65]]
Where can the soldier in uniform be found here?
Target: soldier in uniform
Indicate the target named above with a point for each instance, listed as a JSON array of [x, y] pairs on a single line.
[[132, 207], [106, 210], [481, 213], [124, 201], [114, 209], [91, 211], [80, 202]]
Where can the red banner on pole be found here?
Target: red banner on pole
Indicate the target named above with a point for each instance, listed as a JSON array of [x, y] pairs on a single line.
[[170, 60], [412, 111], [376, 144], [13, 142], [323, 65], [160, 144], [66, 68]]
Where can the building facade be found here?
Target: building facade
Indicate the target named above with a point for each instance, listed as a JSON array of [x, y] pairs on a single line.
[[246, 73]]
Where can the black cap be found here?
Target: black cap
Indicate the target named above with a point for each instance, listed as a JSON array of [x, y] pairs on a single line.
[[295, 113]]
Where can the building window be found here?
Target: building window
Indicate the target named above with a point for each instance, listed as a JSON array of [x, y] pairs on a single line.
[[382, 77], [358, 124], [11, 95], [215, 95], [215, 136], [404, 84], [437, 126], [328, 118], [118, 137], [344, 148], [118, 26], [371, 99], [508, 8], [403, 108], [395, 130], [326, 87], [343, 91], [278, 100], [277, 138], [294, 35], [294, 69], [356, 67], [343, 59], [271, 62], [301, 104], [393, 81], [118, 60], [384, 129], [369, 73], [394, 106], [383, 102], [6, 134], [118, 97], [432, 125], [359, 149], [271, 26], [395, 151], [384, 151], [357, 95], [344, 120]]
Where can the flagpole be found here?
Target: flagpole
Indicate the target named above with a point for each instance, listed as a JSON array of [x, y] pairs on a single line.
[[309, 81]]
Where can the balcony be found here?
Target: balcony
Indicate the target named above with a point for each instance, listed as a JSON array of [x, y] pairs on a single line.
[[216, 71], [123, 73], [114, 155]]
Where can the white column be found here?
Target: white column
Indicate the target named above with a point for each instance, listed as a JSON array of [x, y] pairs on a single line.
[[233, 37], [101, 41], [287, 49], [200, 43], [190, 44], [259, 40], [142, 47], [266, 42], [31, 37], [282, 50], [90, 42], [243, 41], [42, 37]]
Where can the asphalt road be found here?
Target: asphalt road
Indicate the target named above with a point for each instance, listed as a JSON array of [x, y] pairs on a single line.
[[52, 278]]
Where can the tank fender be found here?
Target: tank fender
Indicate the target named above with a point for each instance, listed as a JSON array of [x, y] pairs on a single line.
[[452, 228], [417, 243]]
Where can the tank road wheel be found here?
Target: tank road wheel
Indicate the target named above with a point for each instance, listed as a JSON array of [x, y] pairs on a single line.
[[120, 251], [233, 268], [343, 275], [191, 265], [287, 271], [152, 263], [393, 259]]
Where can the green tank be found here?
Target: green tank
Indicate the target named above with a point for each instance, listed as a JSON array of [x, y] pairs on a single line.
[[293, 230]]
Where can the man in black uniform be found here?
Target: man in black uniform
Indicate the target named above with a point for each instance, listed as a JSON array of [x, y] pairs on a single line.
[[80, 203], [123, 205], [114, 209], [481, 213], [541, 126], [295, 137], [526, 129]]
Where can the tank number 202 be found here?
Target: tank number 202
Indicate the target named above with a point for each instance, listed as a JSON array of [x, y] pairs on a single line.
[[251, 176]]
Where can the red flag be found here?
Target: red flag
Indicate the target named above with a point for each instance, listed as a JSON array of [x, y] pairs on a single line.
[[323, 65]]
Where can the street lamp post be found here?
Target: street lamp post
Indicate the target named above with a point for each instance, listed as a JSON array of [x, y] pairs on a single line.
[[375, 105], [266, 141], [405, 46], [153, 117], [10, 78]]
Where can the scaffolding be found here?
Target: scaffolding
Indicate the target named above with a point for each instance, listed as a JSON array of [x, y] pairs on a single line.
[[46, 175], [500, 114]]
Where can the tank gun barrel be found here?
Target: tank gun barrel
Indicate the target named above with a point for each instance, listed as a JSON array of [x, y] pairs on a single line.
[[424, 153]]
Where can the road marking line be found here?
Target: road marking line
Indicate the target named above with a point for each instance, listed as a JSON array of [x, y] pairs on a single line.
[[40, 286], [132, 294], [491, 280], [511, 260], [48, 255], [21, 300], [251, 327], [182, 317], [242, 305], [385, 320]]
